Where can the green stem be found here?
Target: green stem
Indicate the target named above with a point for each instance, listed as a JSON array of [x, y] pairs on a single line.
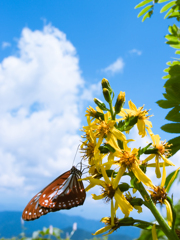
[[111, 110], [149, 203]]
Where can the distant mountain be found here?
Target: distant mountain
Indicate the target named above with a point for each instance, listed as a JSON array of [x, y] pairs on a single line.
[[10, 225], [81, 234]]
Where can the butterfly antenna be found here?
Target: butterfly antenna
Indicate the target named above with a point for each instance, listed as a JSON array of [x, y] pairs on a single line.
[[75, 154]]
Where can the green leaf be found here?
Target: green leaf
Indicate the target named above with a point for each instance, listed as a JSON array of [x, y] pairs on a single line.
[[144, 10], [174, 114], [175, 96], [166, 104], [175, 145], [106, 149], [168, 13], [141, 4], [147, 15], [167, 6], [161, 1], [171, 127], [168, 178], [143, 150], [177, 52]]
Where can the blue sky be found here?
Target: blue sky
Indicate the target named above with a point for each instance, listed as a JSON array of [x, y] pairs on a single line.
[[53, 55]]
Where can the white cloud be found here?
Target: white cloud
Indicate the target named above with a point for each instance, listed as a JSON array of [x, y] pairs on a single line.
[[115, 67], [5, 45], [135, 51], [41, 93]]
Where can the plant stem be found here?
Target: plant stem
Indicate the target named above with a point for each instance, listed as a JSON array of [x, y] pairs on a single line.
[[111, 110], [149, 203]]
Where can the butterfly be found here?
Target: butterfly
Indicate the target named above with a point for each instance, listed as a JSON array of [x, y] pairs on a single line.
[[64, 192]]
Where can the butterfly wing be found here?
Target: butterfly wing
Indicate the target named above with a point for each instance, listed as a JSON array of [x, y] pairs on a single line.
[[33, 210], [65, 192]]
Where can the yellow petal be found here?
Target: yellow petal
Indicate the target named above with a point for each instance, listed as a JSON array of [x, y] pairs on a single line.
[[97, 197], [163, 176], [154, 235], [118, 176], [123, 204], [141, 128], [148, 158], [141, 176], [98, 144], [157, 171], [139, 208], [166, 160], [89, 187], [132, 106], [148, 123], [105, 175], [169, 212], [118, 134], [102, 230], [97, 182], [111, 139]]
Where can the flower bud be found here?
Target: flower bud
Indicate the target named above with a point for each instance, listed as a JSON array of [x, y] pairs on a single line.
[[100, 104], [136, 201], [120, 102], [105, 83], [123, 187], [107, 95]]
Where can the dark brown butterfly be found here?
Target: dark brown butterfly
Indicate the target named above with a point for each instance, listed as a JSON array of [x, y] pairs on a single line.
[[64, 192]]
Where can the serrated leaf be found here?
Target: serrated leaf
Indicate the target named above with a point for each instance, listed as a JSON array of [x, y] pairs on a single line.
[[144, 10], [166, 104], [171, 127], [141, 4], [168, 179], [174, 114], [167, 6]]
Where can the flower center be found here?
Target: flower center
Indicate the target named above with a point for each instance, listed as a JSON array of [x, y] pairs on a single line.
[[163, 149], [102, 129], [88, 151], [158, 195], [108, 192], [128, 159]]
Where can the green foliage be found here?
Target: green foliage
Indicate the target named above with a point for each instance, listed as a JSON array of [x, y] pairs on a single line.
[[147, 234], [172, 8]]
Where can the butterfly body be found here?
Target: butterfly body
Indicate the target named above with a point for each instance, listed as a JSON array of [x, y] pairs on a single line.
[[64, 192]]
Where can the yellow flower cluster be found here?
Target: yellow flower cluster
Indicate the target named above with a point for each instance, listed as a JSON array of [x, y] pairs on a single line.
[[105, 147]]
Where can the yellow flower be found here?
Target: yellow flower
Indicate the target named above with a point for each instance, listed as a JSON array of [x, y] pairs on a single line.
[[159, 195], [105, 129], [141, 114], [111, 227], [110, 190], [127, 159], [162, 152]]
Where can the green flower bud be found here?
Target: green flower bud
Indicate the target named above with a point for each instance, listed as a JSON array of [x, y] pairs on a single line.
[[107, 95], [123, 187], [136, 201], [100, 104], [119, 102], [105, 84]]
